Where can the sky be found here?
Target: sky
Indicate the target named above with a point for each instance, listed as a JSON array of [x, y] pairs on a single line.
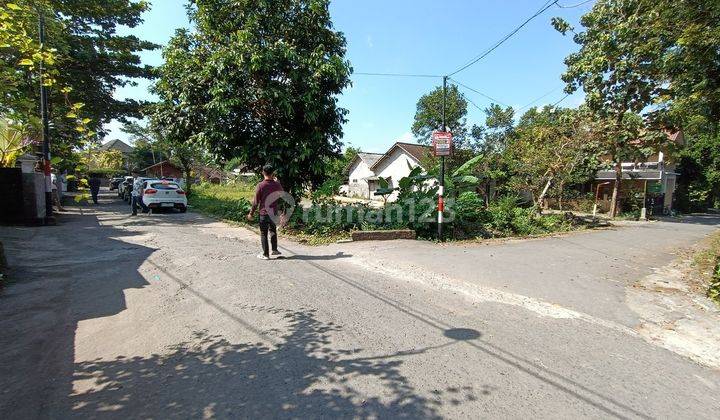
[[419, 37]]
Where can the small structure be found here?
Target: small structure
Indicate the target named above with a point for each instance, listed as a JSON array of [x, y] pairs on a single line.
[[655, 179], [397, 163], [164, 169], [367, 168], [209, 174], [360, 174], [121, 147]]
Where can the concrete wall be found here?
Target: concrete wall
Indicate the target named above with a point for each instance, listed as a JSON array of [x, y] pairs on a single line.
[[34, 196], [395, 167], [357, 182]]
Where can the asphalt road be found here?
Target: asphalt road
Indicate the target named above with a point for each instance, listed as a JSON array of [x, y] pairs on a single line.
[[172, 316]]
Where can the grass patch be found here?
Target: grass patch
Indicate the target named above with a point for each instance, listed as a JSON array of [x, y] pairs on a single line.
[[708, 264], [229, 202]]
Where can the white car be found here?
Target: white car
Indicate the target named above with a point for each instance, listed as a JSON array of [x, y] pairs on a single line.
[[162, 194]]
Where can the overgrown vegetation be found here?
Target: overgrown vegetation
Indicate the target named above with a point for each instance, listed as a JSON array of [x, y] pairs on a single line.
[[708, 265], [325, 220]]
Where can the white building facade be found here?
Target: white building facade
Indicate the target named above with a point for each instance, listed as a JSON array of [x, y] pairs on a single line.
[[367, 168]]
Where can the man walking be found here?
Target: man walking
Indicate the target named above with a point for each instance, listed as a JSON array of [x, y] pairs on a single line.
[[136, 193], [94, 184], [265, 203]]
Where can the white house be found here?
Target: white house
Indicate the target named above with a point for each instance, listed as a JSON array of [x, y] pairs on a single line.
[[367, 168], [360, 174]]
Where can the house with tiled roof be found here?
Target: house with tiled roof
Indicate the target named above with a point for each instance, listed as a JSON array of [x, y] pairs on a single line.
[[655, 179], [367, 168], [121, 147]]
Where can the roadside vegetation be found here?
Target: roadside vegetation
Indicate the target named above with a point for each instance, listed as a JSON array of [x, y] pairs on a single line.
[[708, 265], [322, 219], [260, 85]]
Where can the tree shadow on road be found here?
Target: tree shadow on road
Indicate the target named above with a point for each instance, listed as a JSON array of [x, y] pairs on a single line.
[[64, 274], [299, 377]]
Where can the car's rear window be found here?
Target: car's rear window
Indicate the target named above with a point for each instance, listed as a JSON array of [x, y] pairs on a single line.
[[164, 186]]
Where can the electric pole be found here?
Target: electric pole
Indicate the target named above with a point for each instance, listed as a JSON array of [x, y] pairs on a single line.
[[44, 117], [441, 191]]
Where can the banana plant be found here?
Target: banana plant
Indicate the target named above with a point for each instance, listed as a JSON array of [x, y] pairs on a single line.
[[385, 190]]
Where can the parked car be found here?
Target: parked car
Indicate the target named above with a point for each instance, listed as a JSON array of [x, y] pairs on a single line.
[[125, 187], [162, 194], [115, 183]]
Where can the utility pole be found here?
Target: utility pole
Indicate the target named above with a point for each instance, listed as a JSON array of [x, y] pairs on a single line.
[[46, 129], [441, 191]]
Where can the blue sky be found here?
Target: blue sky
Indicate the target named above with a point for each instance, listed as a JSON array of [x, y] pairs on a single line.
[[420, 36]]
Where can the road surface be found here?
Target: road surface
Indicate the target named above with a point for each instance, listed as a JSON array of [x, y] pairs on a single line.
[[172, 316]]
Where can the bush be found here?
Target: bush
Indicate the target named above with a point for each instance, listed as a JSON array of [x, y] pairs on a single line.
[[714, 290], [471, 217]]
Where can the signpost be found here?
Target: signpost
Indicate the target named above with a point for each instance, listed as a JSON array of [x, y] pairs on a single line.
[[442, 146], [442, 143], [445, 149]]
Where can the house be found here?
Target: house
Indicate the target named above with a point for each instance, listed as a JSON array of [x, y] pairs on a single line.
[[655, 179], [367, 168], [122, 147], [164, 169], [209, 174], [360, 174]]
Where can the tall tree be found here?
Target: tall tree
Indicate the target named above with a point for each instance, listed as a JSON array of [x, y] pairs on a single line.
[[617, 67], [146, 150], [85, 58], [258, 80], [428, 116], [551, 146]]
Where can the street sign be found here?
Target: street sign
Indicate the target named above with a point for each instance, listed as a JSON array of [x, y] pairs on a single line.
[[442, 143], [654, 188]]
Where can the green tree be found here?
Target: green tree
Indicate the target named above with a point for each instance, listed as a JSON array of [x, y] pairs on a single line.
[[146, 150], [13, 142], [551, 147], [95, 161], [338, 166], [258, 80], [428, 116], [617, 66], [85, 62]]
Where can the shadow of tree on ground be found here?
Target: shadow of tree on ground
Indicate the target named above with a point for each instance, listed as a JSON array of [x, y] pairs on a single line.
[[301, 377]]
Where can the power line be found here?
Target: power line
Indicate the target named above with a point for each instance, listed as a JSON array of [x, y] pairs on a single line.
[[474, 104], [396, 74], [541, 97], [477, 91], [546, 6], [561, 99], [574, 5]]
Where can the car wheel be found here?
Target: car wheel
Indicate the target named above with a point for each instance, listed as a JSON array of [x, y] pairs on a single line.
[[183, 210]]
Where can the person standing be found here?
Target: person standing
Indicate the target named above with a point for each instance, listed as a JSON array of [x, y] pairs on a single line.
[[94, 184], [136, 193], [265, 203], [56, 185]]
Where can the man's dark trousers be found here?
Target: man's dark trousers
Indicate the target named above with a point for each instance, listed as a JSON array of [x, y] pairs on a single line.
[[94, 192], [267, 226]]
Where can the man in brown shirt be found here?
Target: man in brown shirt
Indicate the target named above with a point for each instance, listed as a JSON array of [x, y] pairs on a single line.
[[265, 203]]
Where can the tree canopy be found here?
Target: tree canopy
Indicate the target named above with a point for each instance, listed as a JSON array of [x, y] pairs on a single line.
[[257, 80], [85, 61], [428, 116]]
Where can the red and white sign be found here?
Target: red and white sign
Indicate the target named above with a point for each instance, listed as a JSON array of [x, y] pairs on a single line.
[[442, 143]]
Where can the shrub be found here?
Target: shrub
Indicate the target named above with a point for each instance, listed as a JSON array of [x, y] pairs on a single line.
[[470, 216], [714, 290]]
